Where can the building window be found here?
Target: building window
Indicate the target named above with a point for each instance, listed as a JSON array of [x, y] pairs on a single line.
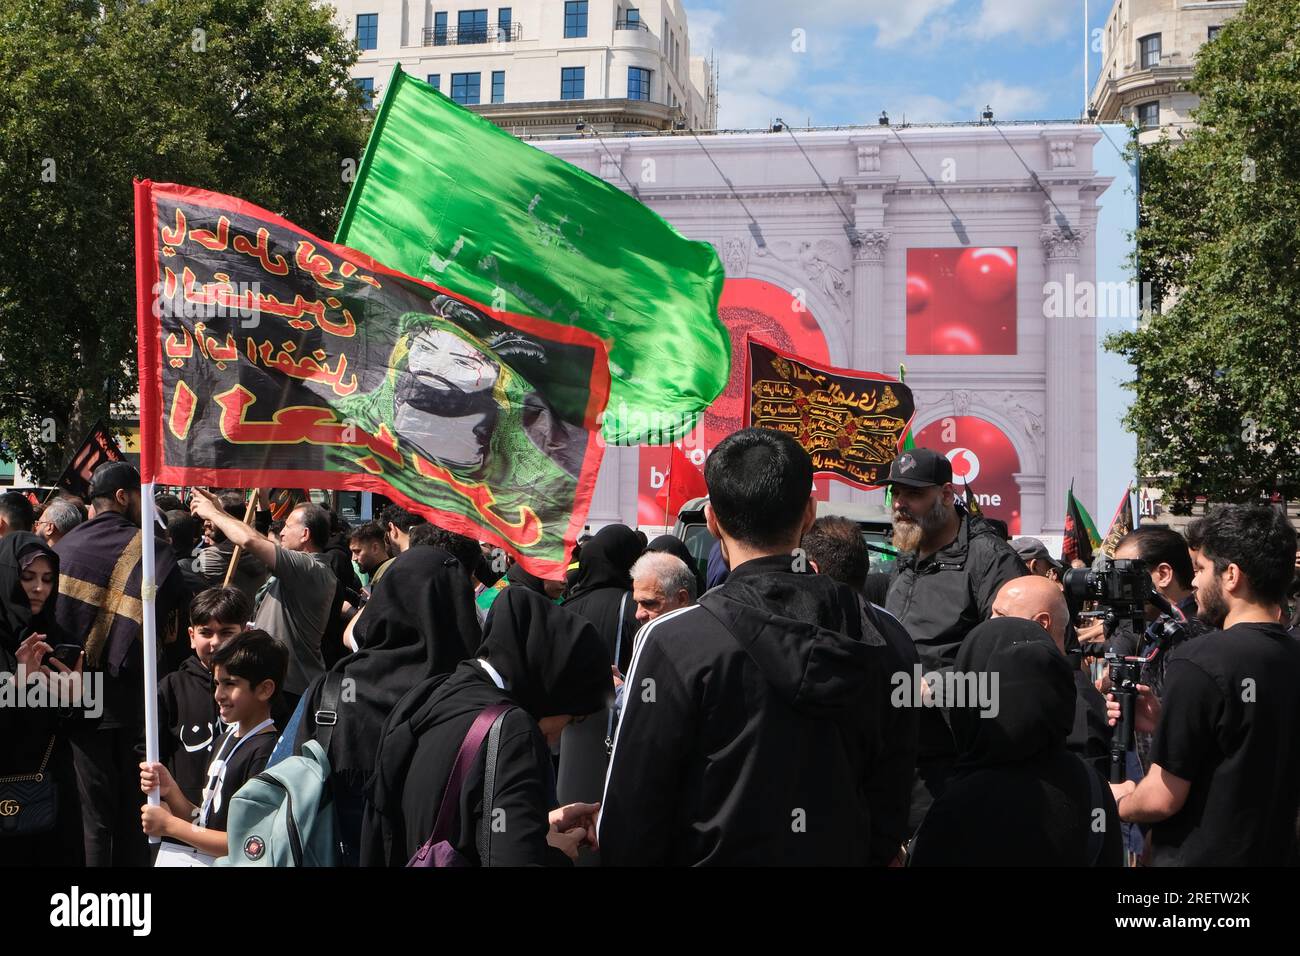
[[504, 24], [572, 82], [440, 29], [638, 83], [1148, 115], [575, 18], [633, 16], [471, 26], [465, 88], [435, 80], [1149, 51], [367, 87], [498, 86], [1214, 32], [367, 30]]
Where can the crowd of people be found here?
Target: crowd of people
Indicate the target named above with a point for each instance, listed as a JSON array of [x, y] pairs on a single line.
[[776, 701]]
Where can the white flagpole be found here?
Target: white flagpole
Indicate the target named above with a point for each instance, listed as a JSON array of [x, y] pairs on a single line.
[[1085, 58], [149, 624]]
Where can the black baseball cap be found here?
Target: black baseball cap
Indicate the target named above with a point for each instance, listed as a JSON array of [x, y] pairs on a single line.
[[919, 468], [111, 477], [1031, 549]]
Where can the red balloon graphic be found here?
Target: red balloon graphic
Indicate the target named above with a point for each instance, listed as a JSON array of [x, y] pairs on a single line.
[[918, 294], [956, 340], [988, 275]]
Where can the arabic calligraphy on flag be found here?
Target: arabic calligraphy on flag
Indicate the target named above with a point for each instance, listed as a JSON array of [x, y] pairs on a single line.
[[850, 423], [269, 356]]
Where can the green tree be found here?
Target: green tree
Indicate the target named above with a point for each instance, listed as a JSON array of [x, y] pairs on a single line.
[[1217, 392], [246, 97]]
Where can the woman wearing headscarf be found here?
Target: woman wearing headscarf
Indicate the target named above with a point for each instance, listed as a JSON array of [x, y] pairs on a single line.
[[549, 667], [1018, 797], [671, 544], [33, 739], [602, 584], [603, 595], [419, 623]]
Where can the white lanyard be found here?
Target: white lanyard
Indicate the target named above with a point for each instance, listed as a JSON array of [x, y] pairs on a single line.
[[217, 769]]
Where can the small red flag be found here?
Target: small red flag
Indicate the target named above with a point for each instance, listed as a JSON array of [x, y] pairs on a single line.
[[683, 482]]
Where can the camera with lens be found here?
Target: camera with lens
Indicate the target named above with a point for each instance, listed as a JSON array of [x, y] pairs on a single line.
[[1123, 589]]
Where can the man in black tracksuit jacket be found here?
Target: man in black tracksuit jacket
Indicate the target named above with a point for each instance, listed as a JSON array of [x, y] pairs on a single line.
[[951, 569], [751, 722]]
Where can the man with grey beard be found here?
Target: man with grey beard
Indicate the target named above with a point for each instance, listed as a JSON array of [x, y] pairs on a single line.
[[950, 569]]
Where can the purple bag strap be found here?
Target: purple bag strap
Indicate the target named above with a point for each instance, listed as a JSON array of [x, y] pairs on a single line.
[[449, 809]]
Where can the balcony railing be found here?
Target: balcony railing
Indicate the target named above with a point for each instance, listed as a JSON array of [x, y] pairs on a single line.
[[453, 36], [631, 25]]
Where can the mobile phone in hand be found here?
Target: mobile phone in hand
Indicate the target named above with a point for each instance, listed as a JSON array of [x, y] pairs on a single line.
[[65, 654]]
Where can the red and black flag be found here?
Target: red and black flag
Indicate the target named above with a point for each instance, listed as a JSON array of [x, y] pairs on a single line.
[[1120, 525], [269, 356], [1081, 538], [850, 423], [99, 447]]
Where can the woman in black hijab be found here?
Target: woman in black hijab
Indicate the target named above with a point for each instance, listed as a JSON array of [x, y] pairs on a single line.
[[1018, 797], [603, 581], [671, 544], [419, 623], [550, 666], [29, 591], [603, 587], [518, 577]]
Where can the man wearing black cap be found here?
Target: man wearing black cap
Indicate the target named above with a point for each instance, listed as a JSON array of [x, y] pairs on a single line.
[[99, 606], [945, 580], [1038, 559]]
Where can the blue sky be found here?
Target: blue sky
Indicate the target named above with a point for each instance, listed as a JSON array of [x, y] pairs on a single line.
[[927, 60]]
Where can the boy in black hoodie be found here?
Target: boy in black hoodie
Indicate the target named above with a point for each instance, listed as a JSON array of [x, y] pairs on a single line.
[[751, 729], [186, 707]]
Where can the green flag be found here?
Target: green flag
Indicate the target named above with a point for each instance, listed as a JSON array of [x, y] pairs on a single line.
[[1081, 538], [450, 198]]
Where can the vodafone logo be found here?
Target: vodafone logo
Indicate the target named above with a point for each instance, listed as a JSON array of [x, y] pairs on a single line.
[[965, 464]]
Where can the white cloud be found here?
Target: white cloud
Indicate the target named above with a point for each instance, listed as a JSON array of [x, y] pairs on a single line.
[[1008, 101], [752, 90], [1027, 19], [922, 108], [761, 77], [768, 25]]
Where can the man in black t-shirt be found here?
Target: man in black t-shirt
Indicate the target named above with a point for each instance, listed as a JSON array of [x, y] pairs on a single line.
[[1224, 783]]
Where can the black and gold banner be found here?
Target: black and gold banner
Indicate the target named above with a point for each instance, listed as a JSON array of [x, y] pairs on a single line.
[[850, 423]]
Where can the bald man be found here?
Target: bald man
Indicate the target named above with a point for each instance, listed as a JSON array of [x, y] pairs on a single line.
[[1037, 599], [1041, 600]]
